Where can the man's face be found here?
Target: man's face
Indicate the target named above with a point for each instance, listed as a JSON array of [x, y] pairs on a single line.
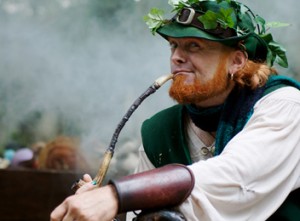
[[200, 69]]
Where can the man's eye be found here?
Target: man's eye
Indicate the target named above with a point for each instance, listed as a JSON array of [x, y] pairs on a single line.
[[173, 45], [194, 46]]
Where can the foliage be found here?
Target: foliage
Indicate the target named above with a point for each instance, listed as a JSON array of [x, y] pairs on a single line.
[[212, 19], [154, 19]]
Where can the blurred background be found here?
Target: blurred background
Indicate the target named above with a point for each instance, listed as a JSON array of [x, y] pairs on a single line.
[[70, 69]]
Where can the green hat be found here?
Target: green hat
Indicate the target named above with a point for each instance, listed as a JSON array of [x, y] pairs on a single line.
[[225, 21]]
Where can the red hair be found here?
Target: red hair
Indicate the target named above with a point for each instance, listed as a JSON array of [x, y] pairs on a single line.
[[253, 75]]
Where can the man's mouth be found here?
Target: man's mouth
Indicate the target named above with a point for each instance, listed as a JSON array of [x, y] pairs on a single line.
[[181, 72]]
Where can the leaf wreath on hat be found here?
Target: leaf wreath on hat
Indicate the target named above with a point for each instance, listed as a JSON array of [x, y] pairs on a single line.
[[224, 19]]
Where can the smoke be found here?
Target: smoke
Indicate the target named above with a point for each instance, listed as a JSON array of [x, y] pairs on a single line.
[[75, 67], [74, 70]]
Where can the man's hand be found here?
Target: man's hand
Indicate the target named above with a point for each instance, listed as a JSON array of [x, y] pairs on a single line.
[[99, 204], [88, 184]]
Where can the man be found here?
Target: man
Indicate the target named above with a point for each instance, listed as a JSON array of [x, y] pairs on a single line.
[[236, 127]]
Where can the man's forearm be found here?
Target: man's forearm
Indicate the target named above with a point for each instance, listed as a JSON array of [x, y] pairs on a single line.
[[158, 188]]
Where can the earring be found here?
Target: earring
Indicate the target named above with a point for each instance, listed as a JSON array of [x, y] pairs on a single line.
[[231, 75]]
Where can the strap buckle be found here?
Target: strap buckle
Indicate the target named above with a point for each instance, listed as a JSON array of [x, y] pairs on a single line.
[[185, 16]]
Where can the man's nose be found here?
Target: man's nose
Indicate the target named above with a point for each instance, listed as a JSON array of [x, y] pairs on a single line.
[[178, 56]]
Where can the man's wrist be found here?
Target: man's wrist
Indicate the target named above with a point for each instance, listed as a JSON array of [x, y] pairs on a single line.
[[158, 188]]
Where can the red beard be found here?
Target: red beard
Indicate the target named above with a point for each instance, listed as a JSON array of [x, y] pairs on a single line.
[[186, 93]]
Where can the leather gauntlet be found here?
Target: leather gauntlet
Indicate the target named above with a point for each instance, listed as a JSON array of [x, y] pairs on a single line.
[[166, 186]]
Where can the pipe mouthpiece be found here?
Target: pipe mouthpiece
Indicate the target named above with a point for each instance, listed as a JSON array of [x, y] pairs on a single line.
[[163, 79]]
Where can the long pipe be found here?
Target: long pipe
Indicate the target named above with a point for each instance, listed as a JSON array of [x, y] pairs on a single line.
[[111, 149]]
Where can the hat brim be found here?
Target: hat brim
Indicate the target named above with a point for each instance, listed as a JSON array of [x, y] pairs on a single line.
[[177, 30]]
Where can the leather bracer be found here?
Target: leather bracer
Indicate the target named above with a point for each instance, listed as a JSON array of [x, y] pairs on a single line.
[[166, 186]]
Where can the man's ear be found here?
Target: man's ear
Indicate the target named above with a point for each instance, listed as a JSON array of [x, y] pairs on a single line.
[[238, 61]]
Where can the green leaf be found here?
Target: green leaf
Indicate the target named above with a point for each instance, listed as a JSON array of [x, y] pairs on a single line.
[[176, 3], [261, 22], [154, 19], [267, 37], [190, 2], [219, 1], [278, 53], [277, 24], [225, 17], [156, 14], [243, 9], [180, 4], [209, 19], [173, 3]]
